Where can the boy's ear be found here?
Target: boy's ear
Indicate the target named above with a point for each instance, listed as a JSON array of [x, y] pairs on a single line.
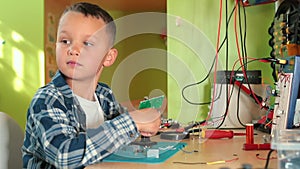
[[110, 58]]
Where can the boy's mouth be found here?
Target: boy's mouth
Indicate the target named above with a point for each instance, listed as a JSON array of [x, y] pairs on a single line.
[[73, 63]]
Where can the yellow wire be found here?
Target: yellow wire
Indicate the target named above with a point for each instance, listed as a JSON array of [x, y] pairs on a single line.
[[216, 162]]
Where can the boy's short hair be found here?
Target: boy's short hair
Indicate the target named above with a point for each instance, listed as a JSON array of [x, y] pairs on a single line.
[[93, 10]]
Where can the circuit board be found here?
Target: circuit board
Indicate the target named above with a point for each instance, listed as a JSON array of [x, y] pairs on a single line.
[[140, 154], [137, 151], [155, 102]]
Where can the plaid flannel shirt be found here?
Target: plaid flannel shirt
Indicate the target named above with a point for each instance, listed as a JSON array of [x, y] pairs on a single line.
[[56, 136]]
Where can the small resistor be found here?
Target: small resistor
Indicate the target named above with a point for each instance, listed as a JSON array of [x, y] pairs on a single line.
[[274, 92]]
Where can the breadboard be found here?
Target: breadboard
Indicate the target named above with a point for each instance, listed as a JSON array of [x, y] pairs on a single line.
[[281, 108], [288, 86]]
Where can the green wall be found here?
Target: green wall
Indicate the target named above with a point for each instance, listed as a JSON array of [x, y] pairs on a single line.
[[21, 57], [192, 38], [190, 51], [141, 67]]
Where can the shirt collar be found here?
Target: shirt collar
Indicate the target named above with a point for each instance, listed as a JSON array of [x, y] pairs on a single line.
[[61, 84]]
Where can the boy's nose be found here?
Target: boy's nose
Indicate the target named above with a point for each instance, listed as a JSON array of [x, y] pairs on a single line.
[[74, 51]]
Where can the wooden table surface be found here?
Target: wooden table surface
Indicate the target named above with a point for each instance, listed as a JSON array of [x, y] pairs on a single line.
[[207, 150]]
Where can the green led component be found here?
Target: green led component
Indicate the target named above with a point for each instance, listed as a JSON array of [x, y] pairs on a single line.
[[239, 78], [155, 102]]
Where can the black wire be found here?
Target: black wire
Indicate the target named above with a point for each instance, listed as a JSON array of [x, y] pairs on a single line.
[[238, 105], [226, 110], [226, 34], [227, 57], [226, 64], [245, 48], [243, 41], [245, 62], [268, 158], [227, 106], [228, 97], [245, 34], [243, 45], [241, 36], [244, 58], [210, 70], [193, 84]]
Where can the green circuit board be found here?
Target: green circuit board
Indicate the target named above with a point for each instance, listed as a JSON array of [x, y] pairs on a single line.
[[155, 102]]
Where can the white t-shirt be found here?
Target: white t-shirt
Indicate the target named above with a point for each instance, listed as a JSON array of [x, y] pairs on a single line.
[[93, 111]]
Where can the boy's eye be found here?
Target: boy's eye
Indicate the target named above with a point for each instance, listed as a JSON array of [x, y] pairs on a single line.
[[88, 43], [65, 41]]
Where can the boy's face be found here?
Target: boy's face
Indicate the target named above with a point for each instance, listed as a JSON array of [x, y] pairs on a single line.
[[82, 46]]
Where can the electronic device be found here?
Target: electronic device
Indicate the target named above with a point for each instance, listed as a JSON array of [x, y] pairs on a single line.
[[242, 107], [285, 43], [287, 95]]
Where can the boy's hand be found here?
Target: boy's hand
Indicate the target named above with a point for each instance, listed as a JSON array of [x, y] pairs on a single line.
[[147, 120]]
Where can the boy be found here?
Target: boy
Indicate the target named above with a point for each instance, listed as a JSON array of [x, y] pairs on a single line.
[[74, 121]]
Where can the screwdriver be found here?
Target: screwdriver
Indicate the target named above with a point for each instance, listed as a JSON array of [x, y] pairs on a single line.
[[219, 134]]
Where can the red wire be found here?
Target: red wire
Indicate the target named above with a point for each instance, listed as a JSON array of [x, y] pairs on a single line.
[[216, 65], [261, 158], [230, 79], [217, 55], [234, 159], [238, 49]]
